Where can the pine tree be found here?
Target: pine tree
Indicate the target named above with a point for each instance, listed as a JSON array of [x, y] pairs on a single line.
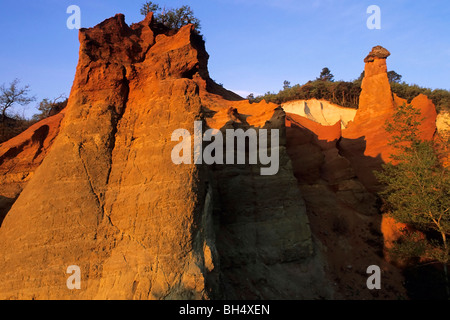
[[286, 85], [326, 75]]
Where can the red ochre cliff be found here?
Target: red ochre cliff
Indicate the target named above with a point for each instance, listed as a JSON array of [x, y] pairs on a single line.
[[95, 186], [108, 198]]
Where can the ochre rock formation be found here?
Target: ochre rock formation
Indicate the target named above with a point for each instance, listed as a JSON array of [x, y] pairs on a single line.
[[427, 127], [378, 52], [95, 186], [108, 198], [365, 142], [392, 230], [21, 156]]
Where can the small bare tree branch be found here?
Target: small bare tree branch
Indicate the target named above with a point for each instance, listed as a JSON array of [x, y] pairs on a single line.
[[13, 94]]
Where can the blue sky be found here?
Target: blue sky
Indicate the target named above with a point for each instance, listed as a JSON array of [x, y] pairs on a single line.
[[254, 45]]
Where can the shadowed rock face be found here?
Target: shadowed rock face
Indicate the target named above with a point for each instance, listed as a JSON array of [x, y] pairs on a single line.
[[108, 198], [343, 214], [334, 167]]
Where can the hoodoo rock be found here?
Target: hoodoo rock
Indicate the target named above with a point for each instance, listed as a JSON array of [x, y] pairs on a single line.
[[365, 141], [108, 198]]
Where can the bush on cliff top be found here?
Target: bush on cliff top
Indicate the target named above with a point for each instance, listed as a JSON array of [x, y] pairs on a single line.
[[171, 18]]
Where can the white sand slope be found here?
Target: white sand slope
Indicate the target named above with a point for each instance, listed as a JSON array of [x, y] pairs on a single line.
[[320, 111]]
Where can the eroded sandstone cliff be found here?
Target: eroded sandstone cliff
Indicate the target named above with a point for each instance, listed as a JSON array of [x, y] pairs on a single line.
[[108, 198], [95, 186]]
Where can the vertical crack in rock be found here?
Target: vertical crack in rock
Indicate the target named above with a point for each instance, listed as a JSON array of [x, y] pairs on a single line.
[[89, 179], [117, 116]]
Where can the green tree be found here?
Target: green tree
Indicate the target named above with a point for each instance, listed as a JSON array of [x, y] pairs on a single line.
[[286, 85], [417, 190], [326, 75], [171, 18], [149, 7], [49, 107], [251, 97], [183, 16], [394, 77], [12, 95]]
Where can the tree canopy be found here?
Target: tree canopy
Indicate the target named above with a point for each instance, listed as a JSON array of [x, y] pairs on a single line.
[[171, 18], [149, 7], [326, 75], [343, 93], [394, 77], [49, 107]]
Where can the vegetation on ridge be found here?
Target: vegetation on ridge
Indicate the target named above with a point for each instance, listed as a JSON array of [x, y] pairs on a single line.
[[12, 123], [346, 94], [171, 18], [324, 87]]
